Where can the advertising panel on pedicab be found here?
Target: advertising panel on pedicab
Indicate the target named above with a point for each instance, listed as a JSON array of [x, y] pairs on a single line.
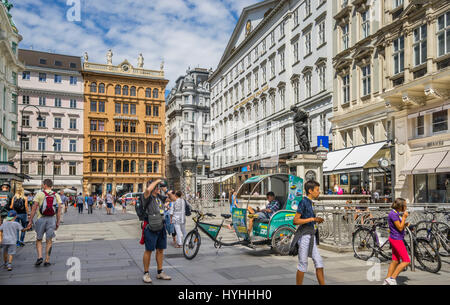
[[295, 194], [240, 222], [213, 230]]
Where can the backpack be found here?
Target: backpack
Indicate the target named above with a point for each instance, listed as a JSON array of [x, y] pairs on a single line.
[[187, 208], [140, 209], [19, 205], [49, 205]]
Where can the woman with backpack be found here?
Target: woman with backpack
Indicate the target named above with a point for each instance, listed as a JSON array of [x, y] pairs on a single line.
[[19, 203]]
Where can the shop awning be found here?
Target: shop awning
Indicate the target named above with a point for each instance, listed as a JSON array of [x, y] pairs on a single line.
[[223, 178], [429, 163], [334, 158], [445, 164], [412, 163], [359, 156], [55, 183]]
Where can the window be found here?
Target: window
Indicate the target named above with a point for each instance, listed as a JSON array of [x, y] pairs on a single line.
[[42, 77], [41, 144], [282, 29], [118, 147], [26, 121], [14, 47], [42, 61], [346, 89], [148, 92], [101, 106], [282, 61], [58, 79], [345, 37], [420, 125], [133, 166], [322, 77], [26, 167], [399, 55], [133, 91], [308, 43], [397, 3], [155, 111], [73, 65], [366, 80], [93, 106], [126, 146], [101, 88], [155, 129], [272, 67], [73, 145], [26, 75], [93, 165], [148, 110], [93, 87], [365, 23], [118, 108], [25, 100], [443, 34], [118, 90], [57, 123], [125, 90], [307, 8], [155, 93], [321, 33], [283, 98], [420, 45], [149, 166], [58, 63], [295, 17], [308, 85], [118, 166], [148, 128], [42, 101], [101, 126], [133, 146], [156, 148], [125, 109], [57, 145], [72, 168], [73, 103], [283, 137], [117, 125], [93, 124], [133, 127], [156, 167], [57, 102], [440, 121], [124, 126], [41, 123], [73, 80], [149, 148], [132, 108], [272, 38]]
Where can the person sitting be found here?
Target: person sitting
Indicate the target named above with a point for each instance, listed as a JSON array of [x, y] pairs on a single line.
[[264, 214]]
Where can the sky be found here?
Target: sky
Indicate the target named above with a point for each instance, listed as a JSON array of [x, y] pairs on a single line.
[[183, 33]]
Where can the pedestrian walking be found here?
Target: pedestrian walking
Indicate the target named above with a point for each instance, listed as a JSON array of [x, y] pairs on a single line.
[[47, 206], [99, 202], [19, 203], [124, 205], [8, 233], [90, 203], [109, 203], [307, 235], [65, 203], [80, 203], [178, 216], [154, 231], [397, 223], [5, 200]]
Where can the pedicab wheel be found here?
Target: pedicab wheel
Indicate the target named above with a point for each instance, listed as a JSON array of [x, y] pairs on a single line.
[[281, 240], [191, 245]]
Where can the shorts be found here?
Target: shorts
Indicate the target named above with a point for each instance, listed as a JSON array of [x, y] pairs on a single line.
[[303, 249], [10, 249], [155, 240], [47, 225], [109, 205], [262, 216], [399, 251]]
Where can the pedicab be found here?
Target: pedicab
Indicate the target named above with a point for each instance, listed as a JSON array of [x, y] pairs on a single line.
[[275, 232]]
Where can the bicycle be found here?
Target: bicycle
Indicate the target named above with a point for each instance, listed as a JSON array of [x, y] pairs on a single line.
[[424, 252], [368, 241], [436, 232]]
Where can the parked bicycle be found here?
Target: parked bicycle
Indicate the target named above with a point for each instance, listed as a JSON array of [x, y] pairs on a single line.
[[436, 232], [424, 252], [370, 240]]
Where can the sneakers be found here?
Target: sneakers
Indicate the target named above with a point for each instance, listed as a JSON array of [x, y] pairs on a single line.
[[147, 278], [390, 281], [9, 267], [39, 261], [163, 276]]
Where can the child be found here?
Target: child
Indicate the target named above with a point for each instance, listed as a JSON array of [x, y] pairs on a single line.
[[307, 247], [8, 237], [397, 233]]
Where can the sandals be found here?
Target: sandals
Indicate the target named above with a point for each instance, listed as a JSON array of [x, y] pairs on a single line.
[[39, 261]]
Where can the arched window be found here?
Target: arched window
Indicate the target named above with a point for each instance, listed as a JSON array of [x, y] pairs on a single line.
[[133, 146], [148, 92], [118, 90], [125, 90], [118, 146], [101, 88], [118, 166], [126, 147], [155, 93], [94, 87], [93, 165], [133, 166], [133, 91], [141, 147], [156, 167], [156, 148], [110, 146], [149, 166], [101, 146], [149, 148], [101, 166], [126, 166], [94, 145]]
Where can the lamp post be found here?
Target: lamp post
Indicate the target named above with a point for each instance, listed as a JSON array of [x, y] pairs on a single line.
[[21, 134]]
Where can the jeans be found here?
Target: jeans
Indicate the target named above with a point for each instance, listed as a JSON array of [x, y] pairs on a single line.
[[89, 209], [23, 220], [80, 208]]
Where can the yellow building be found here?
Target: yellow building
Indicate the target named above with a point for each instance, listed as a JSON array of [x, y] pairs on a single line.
[[124, 126]]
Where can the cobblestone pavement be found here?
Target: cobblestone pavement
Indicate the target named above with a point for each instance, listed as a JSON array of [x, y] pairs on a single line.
[[109, 252]]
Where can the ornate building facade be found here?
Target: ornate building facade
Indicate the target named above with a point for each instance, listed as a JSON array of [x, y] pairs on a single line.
[[124, 123], [188, 130]]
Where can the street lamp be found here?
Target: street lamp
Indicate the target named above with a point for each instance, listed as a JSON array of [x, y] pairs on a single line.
[[21, 135]]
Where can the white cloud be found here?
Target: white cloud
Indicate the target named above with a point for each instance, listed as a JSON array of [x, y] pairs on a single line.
[[183, 32]]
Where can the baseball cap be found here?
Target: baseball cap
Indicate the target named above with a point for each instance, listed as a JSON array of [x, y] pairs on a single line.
[[11, 215], [6, 183]]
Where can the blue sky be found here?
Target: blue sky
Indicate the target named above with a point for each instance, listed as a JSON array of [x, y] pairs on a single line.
[[182, 32]]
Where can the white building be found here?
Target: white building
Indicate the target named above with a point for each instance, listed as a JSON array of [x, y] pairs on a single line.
[[279, 55], [188, 129], [10, 67]]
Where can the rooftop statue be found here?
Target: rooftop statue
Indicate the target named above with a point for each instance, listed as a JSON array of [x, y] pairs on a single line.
[[140, 61], [301, 128], [109, 56]]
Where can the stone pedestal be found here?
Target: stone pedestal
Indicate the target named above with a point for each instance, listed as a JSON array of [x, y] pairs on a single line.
[[309, 166]]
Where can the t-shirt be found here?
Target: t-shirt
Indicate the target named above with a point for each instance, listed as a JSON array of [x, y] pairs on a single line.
[[39, 198], [109, 198], [5, 202], [178, 211], [274, 206], [79, 199], [64, 199], [90, 200], [394, 233], [305, 209], [9, 229], [153, 205]]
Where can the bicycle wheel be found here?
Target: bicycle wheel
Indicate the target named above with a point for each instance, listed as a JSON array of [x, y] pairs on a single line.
[[443, 233], [191, 244], [281, 239], [430, 236], [427, 256], [363, 243]]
